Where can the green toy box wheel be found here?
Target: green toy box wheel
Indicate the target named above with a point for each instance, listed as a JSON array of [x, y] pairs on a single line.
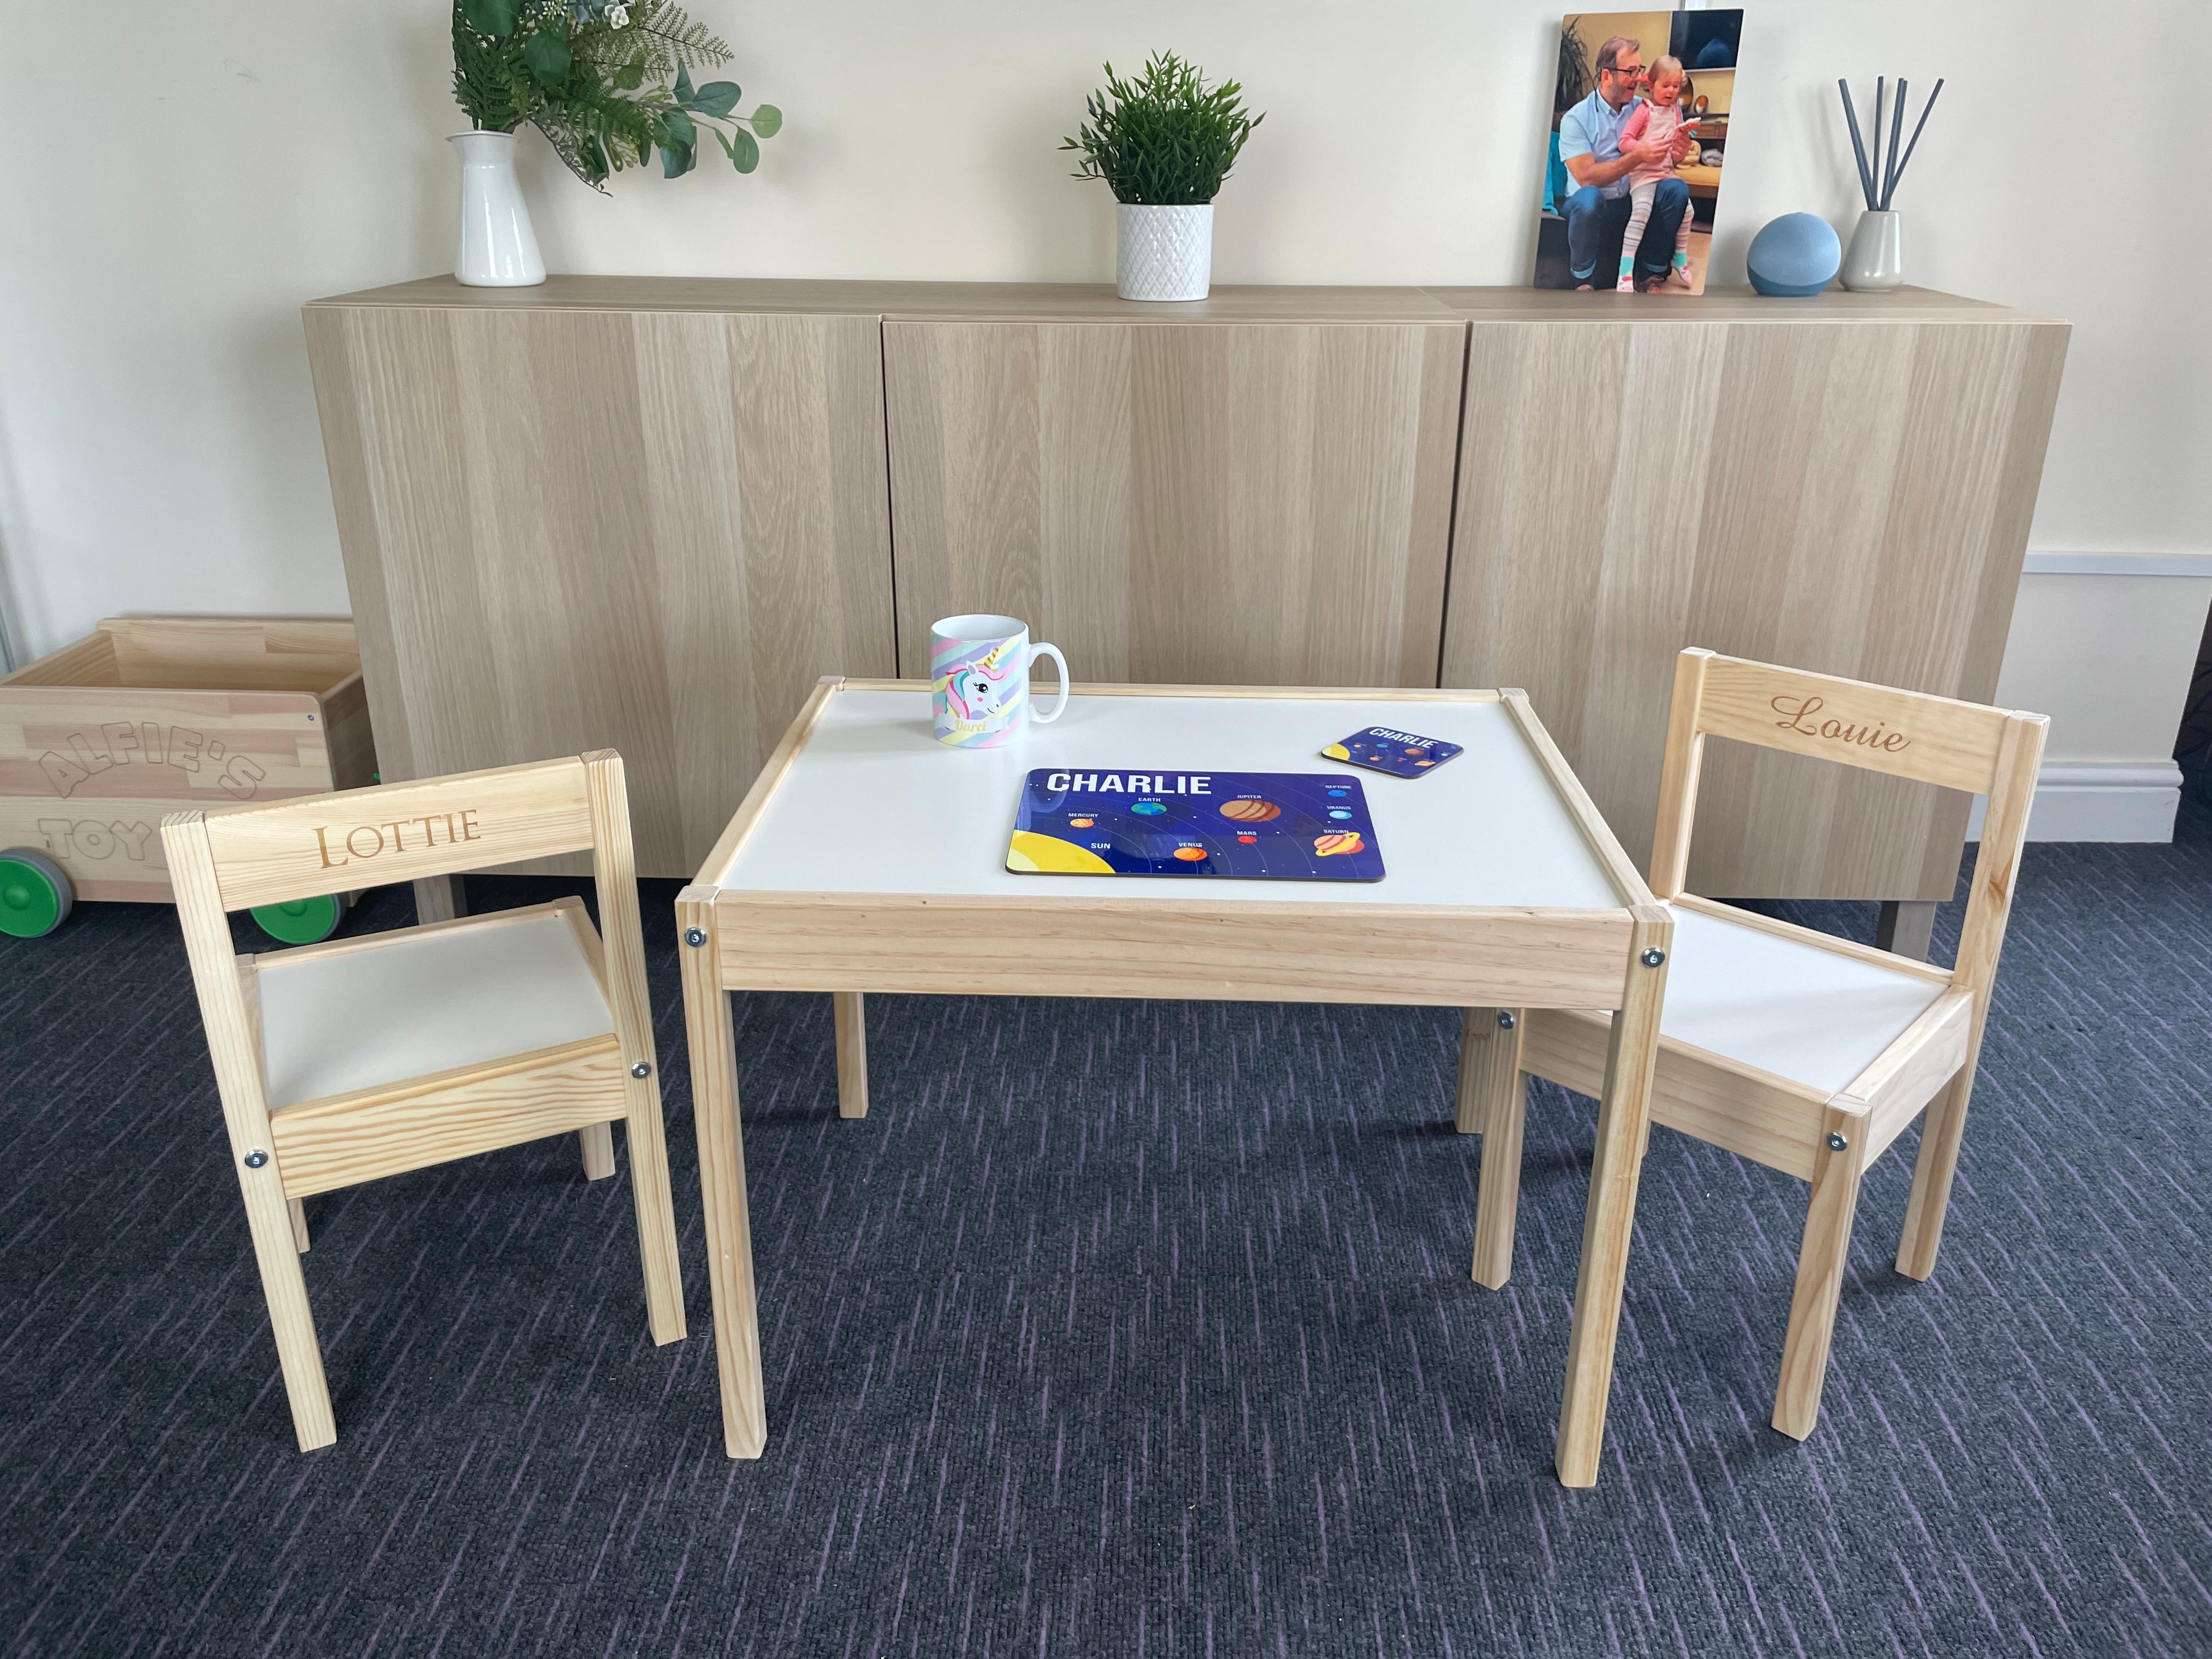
[[35, 893], [302, 921]]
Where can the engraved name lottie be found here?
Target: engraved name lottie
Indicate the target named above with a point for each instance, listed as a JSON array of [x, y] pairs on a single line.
[[1797, 716], [366, 840]]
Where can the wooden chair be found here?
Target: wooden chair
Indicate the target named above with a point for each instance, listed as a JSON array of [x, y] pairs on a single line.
[[1805, 1053], [342, 1062]]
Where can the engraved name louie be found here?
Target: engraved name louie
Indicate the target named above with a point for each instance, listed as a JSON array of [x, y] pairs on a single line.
[[1798, 715], [364, 841]]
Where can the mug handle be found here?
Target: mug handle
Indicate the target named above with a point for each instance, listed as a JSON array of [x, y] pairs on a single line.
[[1060, 707]]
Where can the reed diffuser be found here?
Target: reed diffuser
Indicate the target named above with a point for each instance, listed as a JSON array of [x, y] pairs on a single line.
[[1875, 261]]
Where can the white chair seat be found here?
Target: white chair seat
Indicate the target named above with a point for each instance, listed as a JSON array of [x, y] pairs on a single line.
[[1815, 1016], [382, 1012]]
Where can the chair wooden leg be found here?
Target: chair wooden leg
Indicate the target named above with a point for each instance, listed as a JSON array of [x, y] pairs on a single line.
[[1492, 1097], [276, 1252], [656, 1209], [598, 1145], [299, 1213], [1932, 1173], [1821, 1257], [852, 1054], [722, 1184]]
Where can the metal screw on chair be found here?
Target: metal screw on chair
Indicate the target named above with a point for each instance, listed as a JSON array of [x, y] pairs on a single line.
[[1653, 958], [641, 1070], [256, 1158], [1838, 1143], [695, 936], [1505, 1022]]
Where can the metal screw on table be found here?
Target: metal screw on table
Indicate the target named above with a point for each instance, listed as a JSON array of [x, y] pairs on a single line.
[[256, 1158], [641, 1070], [695, 936], [1505, 1022], [1838, 1143], [1653, 958]]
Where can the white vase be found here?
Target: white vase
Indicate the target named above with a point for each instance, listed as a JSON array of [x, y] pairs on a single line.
[[1164, 252], [1875, 262], [496, 248]]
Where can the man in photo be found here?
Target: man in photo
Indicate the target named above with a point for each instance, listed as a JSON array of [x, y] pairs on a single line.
[[1597, 209]]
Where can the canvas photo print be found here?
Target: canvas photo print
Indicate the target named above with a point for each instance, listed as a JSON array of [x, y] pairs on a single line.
[[1639, 142]]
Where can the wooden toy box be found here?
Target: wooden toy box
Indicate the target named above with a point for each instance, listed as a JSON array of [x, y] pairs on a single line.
[[148, 714]]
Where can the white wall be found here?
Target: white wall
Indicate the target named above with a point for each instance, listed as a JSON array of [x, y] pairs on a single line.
[[158, 449]]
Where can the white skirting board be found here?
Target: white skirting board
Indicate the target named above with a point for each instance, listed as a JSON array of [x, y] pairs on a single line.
[[2099, 800]]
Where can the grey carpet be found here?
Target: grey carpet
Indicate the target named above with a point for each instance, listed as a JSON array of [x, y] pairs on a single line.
[[1136, 1328]]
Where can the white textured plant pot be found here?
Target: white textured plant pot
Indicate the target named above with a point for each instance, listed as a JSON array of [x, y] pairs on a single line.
[[1164, 253], [497, 247], [1875, 261]]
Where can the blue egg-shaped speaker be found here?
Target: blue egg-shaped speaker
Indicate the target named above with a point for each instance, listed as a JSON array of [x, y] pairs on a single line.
[[1795, 255]]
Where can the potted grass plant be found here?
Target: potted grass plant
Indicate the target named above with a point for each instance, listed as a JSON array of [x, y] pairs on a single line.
[[594, 77], [1163, 143]]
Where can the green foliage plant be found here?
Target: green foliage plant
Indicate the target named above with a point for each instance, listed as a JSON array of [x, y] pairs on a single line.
[[592, 75], [1165, 139]]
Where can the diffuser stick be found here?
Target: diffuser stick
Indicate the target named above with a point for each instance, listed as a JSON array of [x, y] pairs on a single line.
[[1914, 145], [1858, 145], [1874, 138], [1896, 131]]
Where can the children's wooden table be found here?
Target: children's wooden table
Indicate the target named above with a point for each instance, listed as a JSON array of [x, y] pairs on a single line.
[[868, 855]]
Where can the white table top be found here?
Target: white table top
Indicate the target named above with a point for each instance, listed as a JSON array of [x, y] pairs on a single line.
[[873, 803]]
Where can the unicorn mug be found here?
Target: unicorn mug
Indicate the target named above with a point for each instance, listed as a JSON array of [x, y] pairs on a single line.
[[979, 674]]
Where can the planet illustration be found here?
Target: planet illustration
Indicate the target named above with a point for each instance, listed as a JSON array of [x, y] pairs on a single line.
[[1344, 840], [1193, 854], [1081, 824], [1251, 812], [1248, 840], [1413, 752], [1035, 854], [1338, 812], [1337, 751], [1338, 794], [1425, 762], [1150, 809]]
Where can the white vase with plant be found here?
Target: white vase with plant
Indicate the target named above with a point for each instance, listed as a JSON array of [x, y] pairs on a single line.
[[578, 71], [1164, 143]]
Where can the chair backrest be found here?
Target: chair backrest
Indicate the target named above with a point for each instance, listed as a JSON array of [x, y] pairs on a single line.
[[1907, 734], [233, 857]]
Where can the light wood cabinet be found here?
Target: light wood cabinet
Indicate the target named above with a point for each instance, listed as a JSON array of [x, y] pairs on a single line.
[[569, 527], [1842, 485], [1239, 502], [648, 513]]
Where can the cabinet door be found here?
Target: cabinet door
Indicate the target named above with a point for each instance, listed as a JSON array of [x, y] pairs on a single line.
[[567, 530], [1183, 503], [1852, 498]]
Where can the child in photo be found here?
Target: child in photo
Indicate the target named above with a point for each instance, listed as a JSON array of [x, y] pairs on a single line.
[[1660, 118]]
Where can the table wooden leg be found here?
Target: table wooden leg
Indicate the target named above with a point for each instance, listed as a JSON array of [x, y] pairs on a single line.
[[1632, 1049], [1492, 1097], [439, 898], [852, 1054], [722, 1179], [1906, 926]]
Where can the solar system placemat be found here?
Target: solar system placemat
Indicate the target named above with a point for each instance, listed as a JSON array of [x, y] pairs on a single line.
[[1281, 826], [1401, 754]]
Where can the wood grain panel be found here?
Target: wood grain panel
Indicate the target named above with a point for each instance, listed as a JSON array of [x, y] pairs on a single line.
[[1265, 503], [570, 529], [345, 1139], [1848, 494], [1412, 954]]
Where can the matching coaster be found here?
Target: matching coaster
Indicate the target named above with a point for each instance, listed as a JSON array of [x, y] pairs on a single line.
[[1401, 754]]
